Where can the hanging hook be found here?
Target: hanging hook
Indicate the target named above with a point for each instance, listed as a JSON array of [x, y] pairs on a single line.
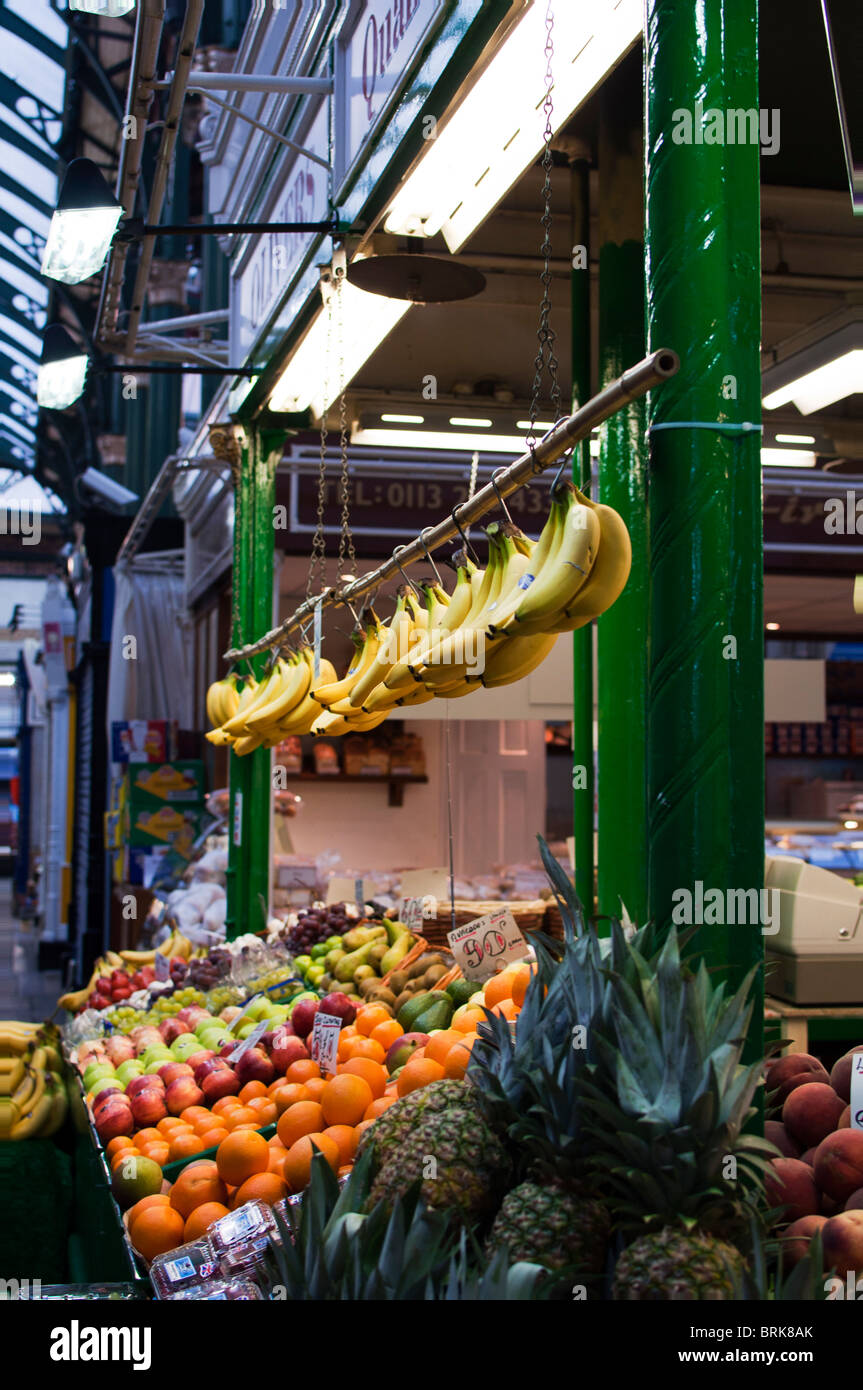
[[396, 553], [465, 542], [427, 554], [504, 508]]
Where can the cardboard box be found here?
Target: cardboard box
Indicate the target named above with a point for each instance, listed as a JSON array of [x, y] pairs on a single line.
[[180, 782], [177, 827], [143, 740]]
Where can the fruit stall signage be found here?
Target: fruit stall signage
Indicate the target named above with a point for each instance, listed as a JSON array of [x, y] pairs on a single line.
[[325, 1040], [254, 1037], [483, 947], [857, 1091], [411, 911]]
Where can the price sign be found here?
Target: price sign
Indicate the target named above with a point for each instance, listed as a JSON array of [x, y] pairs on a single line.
[[483, 947], [857, 1091], [162, 967], [325, 1040], [243, 1010], [411, 911], [254, 1037]]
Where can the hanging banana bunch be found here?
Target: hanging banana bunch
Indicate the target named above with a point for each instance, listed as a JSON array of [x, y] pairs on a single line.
[[33, 1095], [270, 709]]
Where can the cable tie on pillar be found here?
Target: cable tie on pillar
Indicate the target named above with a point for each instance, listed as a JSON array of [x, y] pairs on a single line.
[[730, 427]]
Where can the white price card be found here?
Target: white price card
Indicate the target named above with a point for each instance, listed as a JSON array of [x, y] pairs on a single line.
[[232, 1026], [254, 1037], [483, 947], [325, 1040], [411, 911], [162, 967], [857, 1091]]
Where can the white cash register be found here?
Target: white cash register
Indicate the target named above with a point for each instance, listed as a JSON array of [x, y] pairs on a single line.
[[816, 957]]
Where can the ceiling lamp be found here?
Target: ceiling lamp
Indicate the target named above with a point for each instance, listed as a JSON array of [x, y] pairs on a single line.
[[62, 370], [83, 225], [824, 371], [108, 9]]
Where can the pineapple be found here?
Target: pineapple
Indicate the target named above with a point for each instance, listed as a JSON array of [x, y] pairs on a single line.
[[672, 1265], [391, 1129], [551, 1225]]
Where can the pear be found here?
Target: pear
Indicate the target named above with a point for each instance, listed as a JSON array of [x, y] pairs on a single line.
[[345, 968], [394, 929], [397, 952]]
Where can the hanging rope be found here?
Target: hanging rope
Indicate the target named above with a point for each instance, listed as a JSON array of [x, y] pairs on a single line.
[[546, 359]]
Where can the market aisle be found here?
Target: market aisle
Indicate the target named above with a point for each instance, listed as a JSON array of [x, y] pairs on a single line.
[[25, 992]]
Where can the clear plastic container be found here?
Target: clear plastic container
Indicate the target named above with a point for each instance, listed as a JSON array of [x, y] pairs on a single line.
[[189, 1266], [225, 1289], [252, 1221]]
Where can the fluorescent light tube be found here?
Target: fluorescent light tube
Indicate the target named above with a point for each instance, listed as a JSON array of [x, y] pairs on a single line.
[[403, 419], [440, 439], [794, 438], [787, 458], [470, 423], [108, 9]]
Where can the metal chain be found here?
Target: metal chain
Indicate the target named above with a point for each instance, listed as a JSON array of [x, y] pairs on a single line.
[[346, 540], [317, 559], [545, 358]]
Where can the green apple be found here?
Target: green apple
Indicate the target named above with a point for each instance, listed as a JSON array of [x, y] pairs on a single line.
[[246, 1028], [157, 1052], [204, 1024], [127, 1070], [97, 1071], [257, 1010], [214, 1038], [302, 963], [185, 1046]]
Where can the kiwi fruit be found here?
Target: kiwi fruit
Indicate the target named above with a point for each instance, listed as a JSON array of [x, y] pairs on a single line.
[[398, 980], [401, 1001], [420, 966], [367, 985], [433, 974]]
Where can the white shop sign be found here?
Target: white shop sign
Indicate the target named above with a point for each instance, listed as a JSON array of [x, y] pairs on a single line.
[[377, 46], [260, 286]]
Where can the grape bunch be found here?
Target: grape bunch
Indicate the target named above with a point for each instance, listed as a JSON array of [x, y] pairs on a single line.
[[315, 924], [206, 971]]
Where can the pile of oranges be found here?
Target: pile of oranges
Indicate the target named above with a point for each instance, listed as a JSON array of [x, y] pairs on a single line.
[[310, 1111]]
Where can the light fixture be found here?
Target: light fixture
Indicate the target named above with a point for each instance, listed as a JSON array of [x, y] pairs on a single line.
[[772, 627], [850, 824], [496, 133], [403, 419], [62, 370], [832, 382], [537, 425], [83, 225], [467, 422], [826, 367], [787, 458], [108, 9], [440, 439], [794, 438], [311, 377], [7, 677]]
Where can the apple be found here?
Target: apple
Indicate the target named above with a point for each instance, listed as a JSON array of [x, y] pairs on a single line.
[[127, 1071], [192, 1015], [169, 1071], [182, 1093], [254, 1065], [201, 1024], [303, 1016], [214, 1038], [226, 1050], [109, 1104], [149, 1107], [119, 1049], [202, 1069], [115, 1122], [145, 1082], [171, 1029], [202, 1054], [104, 1090], [156, 1053], [340, 1006], [229, 1013], [185, 1046], [403, 1049], [287, 1048], [220, 1081], [97, 1071]]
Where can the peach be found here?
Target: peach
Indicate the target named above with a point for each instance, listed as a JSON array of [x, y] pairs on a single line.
[[855, 1201], [796, 1238], [845, 1118], [809, 1156], [840, 1076], [776, 1132], [811, 1112], [787, 1068], [839, 1164], [791, 1185], [843, 1242]]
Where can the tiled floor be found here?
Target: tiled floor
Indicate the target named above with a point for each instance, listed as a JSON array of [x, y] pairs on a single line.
[[25, 992]]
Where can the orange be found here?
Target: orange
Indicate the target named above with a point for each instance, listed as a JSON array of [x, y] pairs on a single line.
[[240, 1156], [167, 1126], [469, 1020], [156, 1230], [148, 1136], [157, 1199], [214, 1136], [416, 1074], [303, 1118], [225, 1103], [499, 987], [122, 1154], [440, 1043], [197, 1184], [520, 984], [251, 1090], [506, 1009], [302, 1071], [123, 1142], [361, 1128], [369, 1016], [265, 1187], [364, 1047], [346, 1099], [387, 1033], [345, 1170], [184, 1144], [458, 1057], [298, 1159], [266, 1110], [276, 1162], [346, 1137], [159, 1152], [315, 1087], [370, 1071], [346, 1036], [202, 1218], [288, 1093], [378, 1107], [193, 1113], [241, 1116]]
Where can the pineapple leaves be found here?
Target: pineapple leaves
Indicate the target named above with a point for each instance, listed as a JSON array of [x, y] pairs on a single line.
[[568, 900]]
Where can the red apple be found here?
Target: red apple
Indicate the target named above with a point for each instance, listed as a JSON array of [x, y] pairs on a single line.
[[116, 1121], [197, 1058], [149, 1081], [340, 1006], [191, 1016], [225, 1051], [110, 1088], [303, 1016], [206, 1065], [149, 1107], [287, 1049], [254, 1065], [119, 1049], [222, 1081], [171, 1029], [171, 1070], [182, 1093], [403, 1049]]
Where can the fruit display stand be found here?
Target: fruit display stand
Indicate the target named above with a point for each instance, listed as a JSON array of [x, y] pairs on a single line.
[[796, 1018]]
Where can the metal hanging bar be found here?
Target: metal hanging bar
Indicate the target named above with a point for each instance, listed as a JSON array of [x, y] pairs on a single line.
[[652, 371]]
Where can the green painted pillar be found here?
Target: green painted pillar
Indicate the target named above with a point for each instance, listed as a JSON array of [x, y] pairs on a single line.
[[622, 631], [705, 719], [582, 639], [251, 789]]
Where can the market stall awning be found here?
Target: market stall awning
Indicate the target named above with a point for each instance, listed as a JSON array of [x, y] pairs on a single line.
[[32, 83]]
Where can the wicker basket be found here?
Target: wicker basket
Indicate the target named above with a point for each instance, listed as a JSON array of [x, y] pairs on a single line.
[[529, 916], [553, 921]]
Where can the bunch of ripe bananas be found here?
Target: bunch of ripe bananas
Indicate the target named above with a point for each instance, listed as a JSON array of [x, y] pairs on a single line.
[[498, 625], [33, 1096]]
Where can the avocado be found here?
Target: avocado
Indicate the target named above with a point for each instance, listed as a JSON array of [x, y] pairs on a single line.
[[411, 1011], [460, 991], [435, 1015]]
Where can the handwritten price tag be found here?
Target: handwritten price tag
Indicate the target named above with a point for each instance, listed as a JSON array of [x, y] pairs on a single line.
[[411, 912], [857, 1091], [483, 947], [325, 1040]]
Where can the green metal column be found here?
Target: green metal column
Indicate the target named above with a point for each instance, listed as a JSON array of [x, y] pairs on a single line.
[[251, 788], [706, 663], [582, 638], [622, 631]]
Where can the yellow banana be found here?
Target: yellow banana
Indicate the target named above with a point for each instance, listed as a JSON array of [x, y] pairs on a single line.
[[331, 692], [608, 576], [219, 738], [516, 658], [12, 1072], [31, 1122], [138, 957], [460, 655], [393, 646], [564, 571], [265, 690], [438, 650], [297, 676], [59, 1106], [246, 744]]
